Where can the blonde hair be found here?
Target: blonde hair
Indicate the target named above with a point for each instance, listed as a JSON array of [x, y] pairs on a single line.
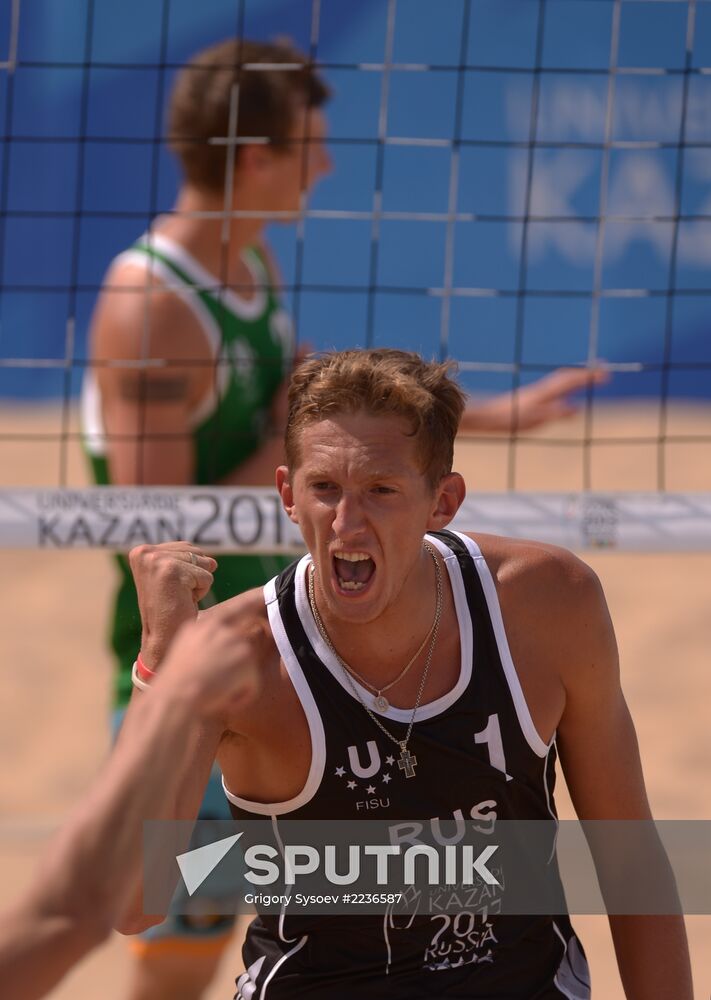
[[382, 381]]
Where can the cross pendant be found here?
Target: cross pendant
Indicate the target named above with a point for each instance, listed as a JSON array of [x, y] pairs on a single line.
[[407, 762]]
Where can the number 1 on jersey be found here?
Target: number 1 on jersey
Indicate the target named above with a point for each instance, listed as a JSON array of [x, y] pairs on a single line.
[[491, 735]]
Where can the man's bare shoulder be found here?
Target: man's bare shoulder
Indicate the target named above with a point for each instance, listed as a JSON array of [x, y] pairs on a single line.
[[548, 595], [525, 564], [137, 316]]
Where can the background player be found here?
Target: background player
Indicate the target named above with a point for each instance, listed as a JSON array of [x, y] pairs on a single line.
[[194, 314]]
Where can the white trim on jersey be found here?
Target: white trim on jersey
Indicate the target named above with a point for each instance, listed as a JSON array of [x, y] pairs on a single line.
[[429, 709], [204, 279], [173, 282], [247, 982], [573, 975], [549, 805], [282, 912], [93, 432], [308, 703], [277, 965], [534, 740]]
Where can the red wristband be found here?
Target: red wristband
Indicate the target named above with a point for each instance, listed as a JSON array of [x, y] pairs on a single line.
[[144, 672]]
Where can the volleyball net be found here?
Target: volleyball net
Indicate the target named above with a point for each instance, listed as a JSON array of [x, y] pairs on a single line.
[[518, 186]]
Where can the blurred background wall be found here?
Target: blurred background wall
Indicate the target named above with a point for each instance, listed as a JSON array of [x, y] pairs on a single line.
[[83, 170]]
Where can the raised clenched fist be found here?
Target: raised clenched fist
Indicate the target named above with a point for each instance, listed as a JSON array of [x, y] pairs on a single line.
[[170, 580]]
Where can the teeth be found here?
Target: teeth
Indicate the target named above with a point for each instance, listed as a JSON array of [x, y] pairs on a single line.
[[352, 556], [350, 584]]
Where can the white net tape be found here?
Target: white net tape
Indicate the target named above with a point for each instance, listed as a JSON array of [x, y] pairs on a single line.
[[252, 520]]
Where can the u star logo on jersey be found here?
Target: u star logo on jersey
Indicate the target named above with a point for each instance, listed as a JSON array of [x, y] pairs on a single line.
[[373, 765], [365, 764]]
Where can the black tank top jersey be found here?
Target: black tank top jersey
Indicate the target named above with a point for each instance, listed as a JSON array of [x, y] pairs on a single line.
[[478, 756]]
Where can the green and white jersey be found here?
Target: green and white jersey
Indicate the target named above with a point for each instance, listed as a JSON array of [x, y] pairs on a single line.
[[250, 340], [252, 344]]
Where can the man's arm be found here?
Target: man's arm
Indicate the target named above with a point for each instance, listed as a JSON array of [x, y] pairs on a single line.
[[532, 405], [152, 365], [167, 745], [600, 759], [170, 579]]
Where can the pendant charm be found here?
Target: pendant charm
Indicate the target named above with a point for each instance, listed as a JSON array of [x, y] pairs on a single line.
[[406, 762], [381, 703]]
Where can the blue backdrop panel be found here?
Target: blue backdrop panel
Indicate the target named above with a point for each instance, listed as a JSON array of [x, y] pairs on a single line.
[[83, 171]]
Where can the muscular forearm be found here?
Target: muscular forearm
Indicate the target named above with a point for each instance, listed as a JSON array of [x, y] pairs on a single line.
[[38, 947], [87, 876], [532, 405], [487, 417], [142, 780], [97, 859], [653, 957], [159, 773]]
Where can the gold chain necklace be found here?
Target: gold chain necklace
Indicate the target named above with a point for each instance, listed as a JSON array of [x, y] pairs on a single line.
[[407, 761], [379, 701]]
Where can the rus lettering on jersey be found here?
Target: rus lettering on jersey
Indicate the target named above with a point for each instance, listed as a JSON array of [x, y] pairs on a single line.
[[373, 765], [486, 813], [441, 829], [456, 835]]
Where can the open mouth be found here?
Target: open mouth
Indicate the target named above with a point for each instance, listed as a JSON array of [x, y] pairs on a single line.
[[353, 570]]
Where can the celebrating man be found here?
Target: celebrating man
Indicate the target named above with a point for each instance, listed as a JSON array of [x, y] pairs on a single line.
[[443, 670]]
